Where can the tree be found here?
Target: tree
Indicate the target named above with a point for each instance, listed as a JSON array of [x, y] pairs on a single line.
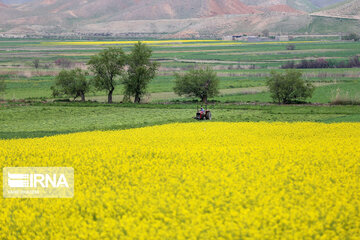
[[107, 66], [290, 47], [63, 63], [352, 36], [36, 63], [265, 33], [71, 83], [2, 84], [140, 72], [289, 87], [201, 83]]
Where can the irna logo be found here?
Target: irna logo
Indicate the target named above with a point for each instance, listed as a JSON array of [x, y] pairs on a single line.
[[38, 182]]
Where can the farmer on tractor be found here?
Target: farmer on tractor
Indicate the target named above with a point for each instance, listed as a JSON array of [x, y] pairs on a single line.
[[203, 114]]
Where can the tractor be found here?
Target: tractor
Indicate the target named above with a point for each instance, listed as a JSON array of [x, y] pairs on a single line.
[[203, 114]]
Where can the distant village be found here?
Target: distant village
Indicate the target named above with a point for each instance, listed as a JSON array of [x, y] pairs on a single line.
[[246, 38]]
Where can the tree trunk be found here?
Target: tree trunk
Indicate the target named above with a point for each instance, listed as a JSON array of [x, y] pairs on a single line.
[[82, 97], [137, 98], [204, 99], [110, 96]]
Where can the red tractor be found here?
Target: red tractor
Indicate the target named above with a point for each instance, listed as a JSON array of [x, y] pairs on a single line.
[[203, 114]]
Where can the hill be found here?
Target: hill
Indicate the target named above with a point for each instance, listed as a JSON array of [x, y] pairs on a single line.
[[325, 3], [345, 10], [3, 5], [165, 18]]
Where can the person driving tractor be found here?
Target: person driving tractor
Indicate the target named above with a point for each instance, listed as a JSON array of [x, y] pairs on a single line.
[[203, 114], [202, 111]]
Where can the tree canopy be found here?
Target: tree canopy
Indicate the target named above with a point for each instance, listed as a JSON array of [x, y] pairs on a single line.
[[201, 83], [107, 67], [289, 87], [141, 70], [71, 83], [2, 84]]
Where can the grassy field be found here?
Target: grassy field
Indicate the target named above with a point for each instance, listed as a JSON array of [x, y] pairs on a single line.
[[241, 67], [231, 60], [38, 120]]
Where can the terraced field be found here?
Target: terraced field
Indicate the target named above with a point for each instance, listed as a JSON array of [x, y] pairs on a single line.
[[239, 65]]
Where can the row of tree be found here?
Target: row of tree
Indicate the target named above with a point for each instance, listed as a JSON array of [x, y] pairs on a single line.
[[353, 62], [109, 68], [135, 70]]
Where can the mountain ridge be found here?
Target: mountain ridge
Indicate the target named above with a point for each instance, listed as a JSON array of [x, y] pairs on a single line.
[[168, 18], [347, 10]]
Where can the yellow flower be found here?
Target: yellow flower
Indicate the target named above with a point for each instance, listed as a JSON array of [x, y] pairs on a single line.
[[194, 181]]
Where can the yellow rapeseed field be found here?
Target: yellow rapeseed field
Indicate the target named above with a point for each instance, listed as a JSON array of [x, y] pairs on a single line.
[[194, 181], [159, 43]]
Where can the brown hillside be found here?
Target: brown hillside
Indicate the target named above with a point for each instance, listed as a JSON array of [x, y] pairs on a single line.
[[349, 10], [185, 18], [2, 5]]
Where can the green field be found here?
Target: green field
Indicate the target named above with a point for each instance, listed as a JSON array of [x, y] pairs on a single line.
[[232, 62], [38, 120], [241, 67]]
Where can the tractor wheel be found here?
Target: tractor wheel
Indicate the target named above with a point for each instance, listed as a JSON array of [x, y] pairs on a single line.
[[208, 115]]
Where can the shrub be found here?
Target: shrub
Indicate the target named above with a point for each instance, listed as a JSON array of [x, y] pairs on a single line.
[[288, 65], [352, 36], [289, 87], [344, 99], [36, 63], [353, 62], [290, 47], [63, 62]]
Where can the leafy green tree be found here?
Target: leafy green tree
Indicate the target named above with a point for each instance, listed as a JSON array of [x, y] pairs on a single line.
[[36, 63], [2, 84], [107, 67], [141, 71], [351, 36], [289, 87], [265, 33], [201, 83], [290, 47], [71, 83]]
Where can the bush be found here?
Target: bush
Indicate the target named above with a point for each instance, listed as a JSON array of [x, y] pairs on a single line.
[[64, 63], [351, 36], [353, 62], [290, 47], [344, 99], [36, 63], [289, 87], [289, 65]]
